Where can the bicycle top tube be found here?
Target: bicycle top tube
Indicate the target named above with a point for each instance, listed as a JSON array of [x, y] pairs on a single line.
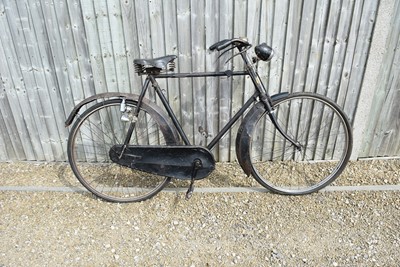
[[159, 66], [227, 73], [153, 68]]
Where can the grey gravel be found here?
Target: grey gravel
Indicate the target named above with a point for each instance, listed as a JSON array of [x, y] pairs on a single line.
[[211, 229]]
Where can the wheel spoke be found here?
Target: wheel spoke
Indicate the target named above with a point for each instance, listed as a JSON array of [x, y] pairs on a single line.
[[325, 137], [98, 130]]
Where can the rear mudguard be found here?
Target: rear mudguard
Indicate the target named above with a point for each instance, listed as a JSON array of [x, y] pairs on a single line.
[[244, 135], [158, 114]]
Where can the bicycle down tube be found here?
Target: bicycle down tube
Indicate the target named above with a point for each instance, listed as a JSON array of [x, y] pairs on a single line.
[[172, 115]]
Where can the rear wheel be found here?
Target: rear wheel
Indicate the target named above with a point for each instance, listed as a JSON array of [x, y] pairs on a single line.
[[321, 129], [100, 128]]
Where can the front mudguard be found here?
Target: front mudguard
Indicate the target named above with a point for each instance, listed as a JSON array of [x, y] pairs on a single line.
[[245, 132], [158, 114]]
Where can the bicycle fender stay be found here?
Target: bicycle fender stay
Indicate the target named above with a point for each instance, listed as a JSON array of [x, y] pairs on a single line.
[[159, 114], [244, 134]]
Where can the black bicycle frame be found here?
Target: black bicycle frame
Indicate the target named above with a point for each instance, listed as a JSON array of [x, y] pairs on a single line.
[[192, 75], [260, 93]]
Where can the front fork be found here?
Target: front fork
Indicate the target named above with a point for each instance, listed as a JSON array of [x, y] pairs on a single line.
[[266, 99], [271, 114]]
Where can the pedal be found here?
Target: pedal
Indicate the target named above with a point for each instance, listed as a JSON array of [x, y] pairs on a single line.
[[196, 166]]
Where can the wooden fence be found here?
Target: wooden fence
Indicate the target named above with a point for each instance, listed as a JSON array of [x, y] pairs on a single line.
[[57, 52], [382, 133]]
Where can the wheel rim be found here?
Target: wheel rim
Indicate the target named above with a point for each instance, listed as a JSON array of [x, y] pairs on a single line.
[[99, 129], [324, 139]]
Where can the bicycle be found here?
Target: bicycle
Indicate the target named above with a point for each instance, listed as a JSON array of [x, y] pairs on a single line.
[[126, 148]]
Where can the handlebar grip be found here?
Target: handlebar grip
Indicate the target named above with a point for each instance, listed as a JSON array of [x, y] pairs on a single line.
[[227, 42], [220, 45]]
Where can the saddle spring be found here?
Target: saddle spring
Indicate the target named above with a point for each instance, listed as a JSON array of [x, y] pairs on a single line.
[[142, 69]]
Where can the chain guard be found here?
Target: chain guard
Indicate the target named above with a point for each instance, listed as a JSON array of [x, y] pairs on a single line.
[[171, 161]]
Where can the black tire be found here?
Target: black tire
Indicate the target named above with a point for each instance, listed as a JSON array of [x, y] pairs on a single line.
[[98, 129], [325, 136]]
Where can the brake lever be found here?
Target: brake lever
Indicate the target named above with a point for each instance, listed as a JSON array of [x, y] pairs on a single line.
[[241, 52], [227, 50]]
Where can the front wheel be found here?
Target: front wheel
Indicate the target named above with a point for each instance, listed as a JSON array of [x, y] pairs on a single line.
[[324, 138], [98, 130]]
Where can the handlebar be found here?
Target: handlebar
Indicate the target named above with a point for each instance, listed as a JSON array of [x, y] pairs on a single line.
[[237, 42]]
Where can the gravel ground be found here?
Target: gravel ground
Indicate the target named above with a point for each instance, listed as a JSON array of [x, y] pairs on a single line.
[[212, 229]]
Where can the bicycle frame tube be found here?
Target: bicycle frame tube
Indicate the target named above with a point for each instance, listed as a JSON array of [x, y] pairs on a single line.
[[136, 112], [232, 121], [260, 93], [175, 121], [227, 73], [169, 109]]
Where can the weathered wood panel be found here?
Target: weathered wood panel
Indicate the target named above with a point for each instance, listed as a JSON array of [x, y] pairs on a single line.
[[56, 53], [382, 135]]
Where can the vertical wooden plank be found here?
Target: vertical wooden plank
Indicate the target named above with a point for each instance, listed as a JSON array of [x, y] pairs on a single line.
[[26, 54], [11, 140], [13, 117], [46, 78], [266, 33], [81, 46], [66, 59], [340, 49], [157, 28], [67, 49], [171, 48], [278, 44], [212, 36], [185, 65], [240, 14], [387, 130], [369, 98], [16, 90], [291, 44], [198, 65], [118, 45], [304, 44], [324, 74], [106, 44], [348, 62], [386, 141], [265, 36], [59, 64], [7, 151], [94, 49], [49, 132], [364, 34], [144, 33], [381, 138], [131, 42], [34, 113], [317, 42], [338, 57], [225, 86], [328, 47], [157, 35], [252, 33], [143, 28]]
